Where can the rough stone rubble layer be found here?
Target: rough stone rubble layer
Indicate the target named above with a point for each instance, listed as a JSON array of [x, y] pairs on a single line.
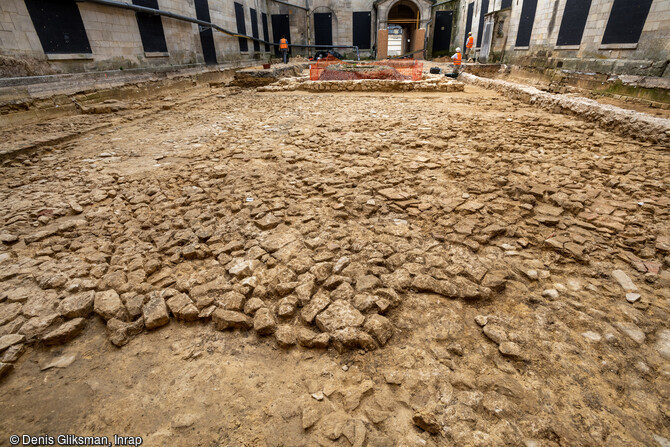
[[366, 85]]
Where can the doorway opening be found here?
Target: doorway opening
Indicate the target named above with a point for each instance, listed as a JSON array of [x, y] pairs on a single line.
[[403, 23]]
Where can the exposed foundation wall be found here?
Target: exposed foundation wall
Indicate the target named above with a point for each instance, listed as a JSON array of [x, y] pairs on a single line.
[[623, 121], [115, 41]]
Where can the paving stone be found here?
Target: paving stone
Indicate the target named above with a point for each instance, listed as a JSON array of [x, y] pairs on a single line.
[[7, 341], [80, 305], [182, 307], [339, 315], [265, 322], [155, 312], [108, 305], [65, 332], [228, 319]]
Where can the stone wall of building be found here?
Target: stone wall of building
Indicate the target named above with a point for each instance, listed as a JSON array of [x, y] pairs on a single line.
[[456, 27], [223, 14], [115, 41], [649, 57], [17, 33], [302, 23]]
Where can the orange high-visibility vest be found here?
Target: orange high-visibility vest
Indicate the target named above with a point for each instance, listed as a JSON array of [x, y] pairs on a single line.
[[283, 44], [457, 59], [470, 41]]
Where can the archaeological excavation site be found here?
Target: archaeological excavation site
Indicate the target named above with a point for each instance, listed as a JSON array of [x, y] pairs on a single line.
[[301, 223]]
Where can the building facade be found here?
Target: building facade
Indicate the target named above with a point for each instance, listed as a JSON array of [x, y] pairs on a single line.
[[603, 36], [60, 36], [607, 36]]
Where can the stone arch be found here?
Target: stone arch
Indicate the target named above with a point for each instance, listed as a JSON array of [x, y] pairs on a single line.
[[403, 9], [423, 6], [403, 22]]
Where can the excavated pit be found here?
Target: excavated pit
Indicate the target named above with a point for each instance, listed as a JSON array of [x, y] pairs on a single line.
[[251, 267]]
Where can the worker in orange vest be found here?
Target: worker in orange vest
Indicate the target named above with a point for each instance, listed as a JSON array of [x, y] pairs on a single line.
[[283, 46], [468, 46], [456, 60]]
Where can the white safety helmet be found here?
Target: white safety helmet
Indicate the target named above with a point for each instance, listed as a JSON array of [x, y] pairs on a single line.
[[458, 50]]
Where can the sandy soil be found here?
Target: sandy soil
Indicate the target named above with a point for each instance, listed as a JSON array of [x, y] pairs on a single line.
[[663, 113], [413, 269]]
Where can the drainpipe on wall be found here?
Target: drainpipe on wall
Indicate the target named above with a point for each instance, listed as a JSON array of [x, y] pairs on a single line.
[[307, 25], [425, 38], [375, 45]]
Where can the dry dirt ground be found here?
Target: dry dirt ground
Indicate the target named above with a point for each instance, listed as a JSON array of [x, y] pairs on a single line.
[[232, 268]]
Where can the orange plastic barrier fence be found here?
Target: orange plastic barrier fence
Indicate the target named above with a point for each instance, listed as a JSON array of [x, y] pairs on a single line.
[[316, 68], [406, 67]]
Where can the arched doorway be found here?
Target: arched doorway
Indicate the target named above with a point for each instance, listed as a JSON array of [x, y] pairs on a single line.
[[403, 22]]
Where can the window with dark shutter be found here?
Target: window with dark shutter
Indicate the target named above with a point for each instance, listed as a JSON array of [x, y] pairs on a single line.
[[468, 21], [362, 29], [151, 28], [626, 21], [323, 28], [241, 27], [574, 21], [280, 28], [526, 23], [59, 26]]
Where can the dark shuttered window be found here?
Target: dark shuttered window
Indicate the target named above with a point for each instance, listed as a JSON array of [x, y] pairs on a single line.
[[151, 28], [362, 29], [626, 21], [59, 26], [241, 27], [526, 23], [468, 21], [574, 20]]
